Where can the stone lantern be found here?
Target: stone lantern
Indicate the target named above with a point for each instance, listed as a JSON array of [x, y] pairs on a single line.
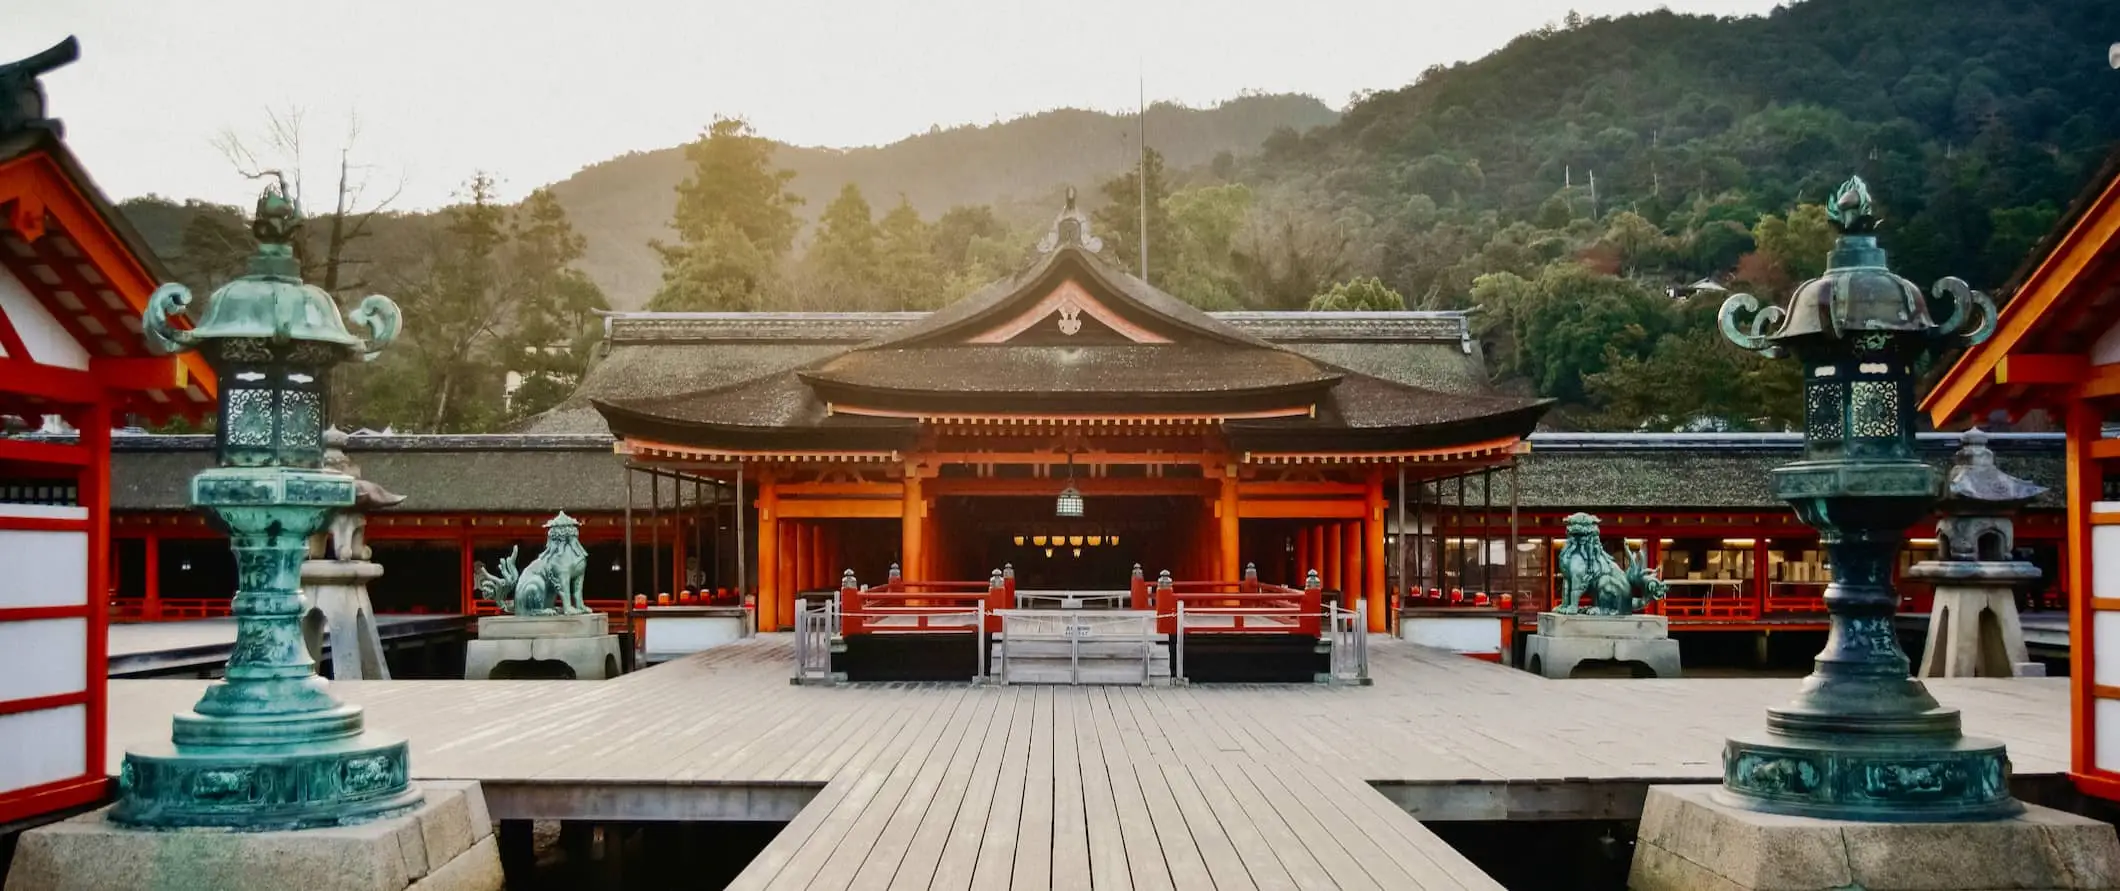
[[1863, 740], [1973, 627], [268, 748]]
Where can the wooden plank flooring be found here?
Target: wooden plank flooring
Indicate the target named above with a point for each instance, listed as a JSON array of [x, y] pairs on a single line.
[[1151, 789]]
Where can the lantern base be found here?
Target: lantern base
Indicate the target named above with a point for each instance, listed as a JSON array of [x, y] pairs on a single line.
[[1878, 779], [339, 782]]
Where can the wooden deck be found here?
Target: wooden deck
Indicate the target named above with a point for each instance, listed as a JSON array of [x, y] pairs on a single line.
[[955, 786]]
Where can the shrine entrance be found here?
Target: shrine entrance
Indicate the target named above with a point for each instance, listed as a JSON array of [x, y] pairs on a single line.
[[1094, 552]]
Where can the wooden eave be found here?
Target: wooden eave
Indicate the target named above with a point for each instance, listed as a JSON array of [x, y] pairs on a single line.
[[2062, 303], [72, 251]]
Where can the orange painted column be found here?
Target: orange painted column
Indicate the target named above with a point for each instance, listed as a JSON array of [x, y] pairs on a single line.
[[820, 559], [803, 553], [912, 529], [1335, 571], [151, 607], [1318, 552], [1302, 556], [790, 569], [768, 555], [1232, 563], [1350, 562], [1373, 554], [2084, 482]]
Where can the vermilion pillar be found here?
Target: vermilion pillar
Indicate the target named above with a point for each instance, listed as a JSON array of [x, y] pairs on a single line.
[[1335, 570], [768, 555], [1303, 555], [912, 539], [1373, 553], [1232, 562], [1350, 562]]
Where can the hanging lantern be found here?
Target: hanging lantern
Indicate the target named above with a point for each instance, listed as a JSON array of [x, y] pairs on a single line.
[[1096, 541], [1038, 540], [1074, 541], [1019, 541], [1078, 552], [1070, 504], [1048, 552], [1115, 541]]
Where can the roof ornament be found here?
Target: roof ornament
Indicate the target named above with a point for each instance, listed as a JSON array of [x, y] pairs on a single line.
[[1071, 227], [22, 96]]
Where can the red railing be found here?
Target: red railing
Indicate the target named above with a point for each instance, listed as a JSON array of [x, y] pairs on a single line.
[[903, 606], [1249, 606], [169, 609]]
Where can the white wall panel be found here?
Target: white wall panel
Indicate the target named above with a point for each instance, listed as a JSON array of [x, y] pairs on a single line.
[[2105, 632], [2106, 712], [43, 747], [2105, 561], [40, 568], [44, 657], [48, 342]]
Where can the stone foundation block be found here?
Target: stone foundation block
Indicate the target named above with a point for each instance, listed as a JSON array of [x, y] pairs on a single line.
[[1557, 657], [445, 845], [1690, 841], [508, 627], [588, 658]]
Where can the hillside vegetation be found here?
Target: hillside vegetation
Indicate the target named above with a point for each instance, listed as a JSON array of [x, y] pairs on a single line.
[[1017, 166], [1595, 187]]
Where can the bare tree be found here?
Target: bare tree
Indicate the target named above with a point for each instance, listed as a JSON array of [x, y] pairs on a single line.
[[278, 146]]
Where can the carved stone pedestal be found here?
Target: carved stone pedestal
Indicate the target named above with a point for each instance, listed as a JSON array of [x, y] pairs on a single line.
[[1565, 641], [577, 647], [340, 615], [1690, 841], [446, 844], [1973, 626]]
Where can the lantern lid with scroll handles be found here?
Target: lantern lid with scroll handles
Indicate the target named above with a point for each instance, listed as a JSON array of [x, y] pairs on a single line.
[[269, 302], [1858, 298]]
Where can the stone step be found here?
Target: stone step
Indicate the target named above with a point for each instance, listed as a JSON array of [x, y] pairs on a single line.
[[1059, 671], [1087, 649]]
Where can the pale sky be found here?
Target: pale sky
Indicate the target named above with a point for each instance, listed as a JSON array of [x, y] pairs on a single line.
[[533, 91]]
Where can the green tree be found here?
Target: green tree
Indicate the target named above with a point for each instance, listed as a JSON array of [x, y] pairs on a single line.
[[459, 309], [1358, 295], [1118, 222], [909, 274], [553, 333], [1798, 244], [1694, 380], [1579, 323], [735, 220], [1201, 266], [844, 253]]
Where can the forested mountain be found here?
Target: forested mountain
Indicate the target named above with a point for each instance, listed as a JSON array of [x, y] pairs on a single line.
[[1973, 121], [1016, 166], [1577, 185]]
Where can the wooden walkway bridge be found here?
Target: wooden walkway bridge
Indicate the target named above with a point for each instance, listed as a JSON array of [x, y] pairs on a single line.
[[1204, 787]]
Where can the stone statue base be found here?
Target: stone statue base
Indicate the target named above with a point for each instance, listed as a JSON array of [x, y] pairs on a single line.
[[1973, 626], [447, 844], [1566, 640], [340, 614], [576, 647], [1689, 841]]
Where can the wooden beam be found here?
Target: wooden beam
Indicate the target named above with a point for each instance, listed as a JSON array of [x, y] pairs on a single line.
[[1048, 487], [2104, 448], [2041, 369], [1271, 489], [147, 373], [2057, 275], [49, 382], [841, 508], [69, 454], [1056, 458], [868, 490], [2102, 382], [1301, 509]]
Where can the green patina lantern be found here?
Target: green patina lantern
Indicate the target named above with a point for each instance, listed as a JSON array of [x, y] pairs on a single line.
[[269, 747], [1863, 740]]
